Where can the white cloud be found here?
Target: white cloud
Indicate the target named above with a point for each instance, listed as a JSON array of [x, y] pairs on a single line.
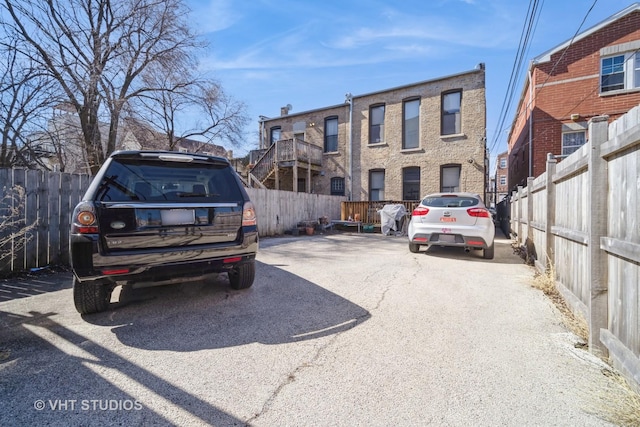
[[213, 15]]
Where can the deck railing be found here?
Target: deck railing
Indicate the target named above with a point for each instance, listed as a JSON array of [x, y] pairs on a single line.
[[285, 150], [367, 211]]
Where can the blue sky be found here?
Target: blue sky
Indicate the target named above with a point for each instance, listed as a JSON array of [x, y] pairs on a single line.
[[309, 54]]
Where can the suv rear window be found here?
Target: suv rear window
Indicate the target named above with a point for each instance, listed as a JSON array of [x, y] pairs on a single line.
[[450, 201], [128, 180]]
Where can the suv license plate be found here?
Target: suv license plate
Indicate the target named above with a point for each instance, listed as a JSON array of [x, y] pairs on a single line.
[[178, 216], [447, 219]]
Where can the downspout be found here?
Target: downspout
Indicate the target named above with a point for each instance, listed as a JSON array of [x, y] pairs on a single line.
[[530, 122], [349, 99]]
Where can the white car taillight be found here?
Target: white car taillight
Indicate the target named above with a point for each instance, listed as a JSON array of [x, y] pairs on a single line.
[[479, 212], [420, 211]]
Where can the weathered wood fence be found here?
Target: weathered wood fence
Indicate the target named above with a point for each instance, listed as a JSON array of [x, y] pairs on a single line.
[[45, 211], [582, 218], [49, 198], [279, 211]]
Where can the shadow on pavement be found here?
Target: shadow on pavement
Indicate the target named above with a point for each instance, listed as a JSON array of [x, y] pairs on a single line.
[[53, 376], [280, 308], [31, 284]]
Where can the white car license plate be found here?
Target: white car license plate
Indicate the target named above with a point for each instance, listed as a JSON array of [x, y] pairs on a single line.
[[448, 238]]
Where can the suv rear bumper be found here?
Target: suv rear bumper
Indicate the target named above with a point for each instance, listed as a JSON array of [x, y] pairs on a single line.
[[89, 263]]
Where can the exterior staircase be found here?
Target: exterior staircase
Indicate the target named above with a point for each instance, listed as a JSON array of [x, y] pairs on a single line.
[[288, 154]]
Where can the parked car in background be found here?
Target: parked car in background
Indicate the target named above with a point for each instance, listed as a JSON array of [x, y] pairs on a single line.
[[493, 212], [452, 219], [158, 217]]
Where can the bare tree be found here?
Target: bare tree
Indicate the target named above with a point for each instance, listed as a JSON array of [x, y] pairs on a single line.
[[219, 116], [96, 50], [25, 98]]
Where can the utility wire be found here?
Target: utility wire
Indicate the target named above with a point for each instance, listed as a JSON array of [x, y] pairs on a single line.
[[555, 65], [525, 37]]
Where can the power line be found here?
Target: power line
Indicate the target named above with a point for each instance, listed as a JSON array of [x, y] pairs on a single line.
[[556, 63], [523, 46]]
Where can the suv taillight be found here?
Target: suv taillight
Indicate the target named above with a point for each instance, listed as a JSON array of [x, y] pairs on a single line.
[[420, 211], [249, 215], [84, 219], [478, 212]]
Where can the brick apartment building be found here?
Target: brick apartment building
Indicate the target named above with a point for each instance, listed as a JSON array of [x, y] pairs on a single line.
[[596, 73], [500, 186], [395, 144]]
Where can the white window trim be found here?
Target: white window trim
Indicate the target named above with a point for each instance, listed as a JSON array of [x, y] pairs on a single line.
[[629, 50]]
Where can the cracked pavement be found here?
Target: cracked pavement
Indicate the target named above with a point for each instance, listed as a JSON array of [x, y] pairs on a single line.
[[341, 329]]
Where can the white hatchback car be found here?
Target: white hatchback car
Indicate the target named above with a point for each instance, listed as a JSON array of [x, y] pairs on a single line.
[[452, 219]]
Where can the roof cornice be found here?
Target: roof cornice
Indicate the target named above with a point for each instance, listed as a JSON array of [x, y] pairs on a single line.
[[546, 56]]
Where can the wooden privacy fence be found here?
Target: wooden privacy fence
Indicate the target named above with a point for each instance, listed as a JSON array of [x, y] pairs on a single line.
[[41, 215], [279, 211], [582, 217], [44, 211]]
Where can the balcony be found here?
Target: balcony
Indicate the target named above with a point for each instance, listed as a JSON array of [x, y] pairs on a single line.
[[284, 164]]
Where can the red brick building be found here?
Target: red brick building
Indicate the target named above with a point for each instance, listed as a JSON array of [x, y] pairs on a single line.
[[595, 73]]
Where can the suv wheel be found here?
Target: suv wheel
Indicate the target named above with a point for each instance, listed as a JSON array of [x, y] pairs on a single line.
[[91, 297], [241, 277], [414, 248]]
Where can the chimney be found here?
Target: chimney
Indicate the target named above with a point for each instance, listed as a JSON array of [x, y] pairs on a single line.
[[285, 110]]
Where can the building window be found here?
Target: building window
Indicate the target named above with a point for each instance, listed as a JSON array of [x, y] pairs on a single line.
[[450, 178], [376, 185], [571, 141], [337, 186], [411, 123], [411, 183], [503, 163], [331, 134], [503, 180], [612, 76], [620, 72], [376, 124], [275, 134], [451, 113]]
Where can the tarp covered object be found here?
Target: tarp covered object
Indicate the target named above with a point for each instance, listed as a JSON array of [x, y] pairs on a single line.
[[392, 218]]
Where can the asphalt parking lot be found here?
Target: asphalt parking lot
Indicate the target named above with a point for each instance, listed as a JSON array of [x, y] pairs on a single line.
[[343, 329]]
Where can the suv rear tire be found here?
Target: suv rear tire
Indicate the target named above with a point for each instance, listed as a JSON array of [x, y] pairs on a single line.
[[241, 277], [91, 297], [414, 248]]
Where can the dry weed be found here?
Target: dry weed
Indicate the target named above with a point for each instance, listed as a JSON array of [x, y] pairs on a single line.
[[616, 403], [546, 282]]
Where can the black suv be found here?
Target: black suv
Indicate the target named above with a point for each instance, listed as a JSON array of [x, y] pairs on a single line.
[[157, 217]]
